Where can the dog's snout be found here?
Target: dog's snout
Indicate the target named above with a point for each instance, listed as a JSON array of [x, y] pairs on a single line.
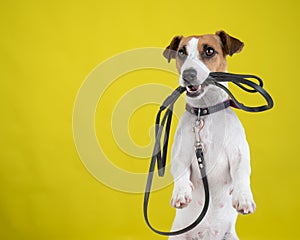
[[189, 75]]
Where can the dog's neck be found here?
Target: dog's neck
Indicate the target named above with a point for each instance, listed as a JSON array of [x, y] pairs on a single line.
[[211, 96]]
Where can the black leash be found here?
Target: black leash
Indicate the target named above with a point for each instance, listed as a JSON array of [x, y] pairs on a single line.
[[240, 80], [159, 154], [160, 158]]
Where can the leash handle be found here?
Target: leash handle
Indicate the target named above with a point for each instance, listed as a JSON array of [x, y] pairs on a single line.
[[215, 78]]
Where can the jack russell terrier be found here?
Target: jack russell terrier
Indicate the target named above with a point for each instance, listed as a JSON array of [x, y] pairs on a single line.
[[226, 151]]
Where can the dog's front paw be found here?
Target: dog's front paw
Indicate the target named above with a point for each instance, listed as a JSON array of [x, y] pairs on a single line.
[[243, 202], [182, 194]]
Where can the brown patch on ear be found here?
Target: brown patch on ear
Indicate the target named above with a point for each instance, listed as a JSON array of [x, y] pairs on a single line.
[[230, 44], [170, 51]]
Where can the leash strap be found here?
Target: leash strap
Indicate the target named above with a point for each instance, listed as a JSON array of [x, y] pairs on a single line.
[[168, 104], [159, 155], [160, 158]]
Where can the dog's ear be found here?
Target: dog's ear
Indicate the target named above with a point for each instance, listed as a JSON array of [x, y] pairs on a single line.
[[170, 51], [230, 44]]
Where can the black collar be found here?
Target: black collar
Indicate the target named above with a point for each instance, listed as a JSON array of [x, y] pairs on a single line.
[[211, 109]]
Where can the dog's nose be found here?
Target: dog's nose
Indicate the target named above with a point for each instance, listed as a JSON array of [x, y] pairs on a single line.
[[189, 75]]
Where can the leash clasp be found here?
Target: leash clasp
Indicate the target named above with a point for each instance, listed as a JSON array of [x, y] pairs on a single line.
[[199, 147], [196, 129]]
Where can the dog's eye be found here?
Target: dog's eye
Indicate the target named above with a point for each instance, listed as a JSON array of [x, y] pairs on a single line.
[[209, 52], [182, 53]]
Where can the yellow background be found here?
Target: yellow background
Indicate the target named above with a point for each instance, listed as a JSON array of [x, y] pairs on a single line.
[[47, 48]]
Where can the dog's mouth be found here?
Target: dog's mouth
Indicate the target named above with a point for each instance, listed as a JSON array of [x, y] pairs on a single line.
[[194, 90]]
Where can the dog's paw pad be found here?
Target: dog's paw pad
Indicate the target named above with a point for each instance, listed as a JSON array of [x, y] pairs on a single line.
[[182, 195], [243, 203]]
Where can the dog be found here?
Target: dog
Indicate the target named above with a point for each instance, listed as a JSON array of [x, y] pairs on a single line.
[[226, 151]]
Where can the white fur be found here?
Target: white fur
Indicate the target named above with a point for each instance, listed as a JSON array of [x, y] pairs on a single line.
[[227, 160], [193, 61]]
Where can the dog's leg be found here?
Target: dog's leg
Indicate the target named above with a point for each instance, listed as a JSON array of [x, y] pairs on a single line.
[[242, 199], [182, 151], [182, 193]]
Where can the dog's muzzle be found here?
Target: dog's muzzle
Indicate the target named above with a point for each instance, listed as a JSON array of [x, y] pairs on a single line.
[[191, 82]]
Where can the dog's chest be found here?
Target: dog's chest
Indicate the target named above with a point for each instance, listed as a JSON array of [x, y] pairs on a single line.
[[213, 136]]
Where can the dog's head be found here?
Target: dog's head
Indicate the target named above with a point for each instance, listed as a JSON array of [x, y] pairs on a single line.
[[197, 56]]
